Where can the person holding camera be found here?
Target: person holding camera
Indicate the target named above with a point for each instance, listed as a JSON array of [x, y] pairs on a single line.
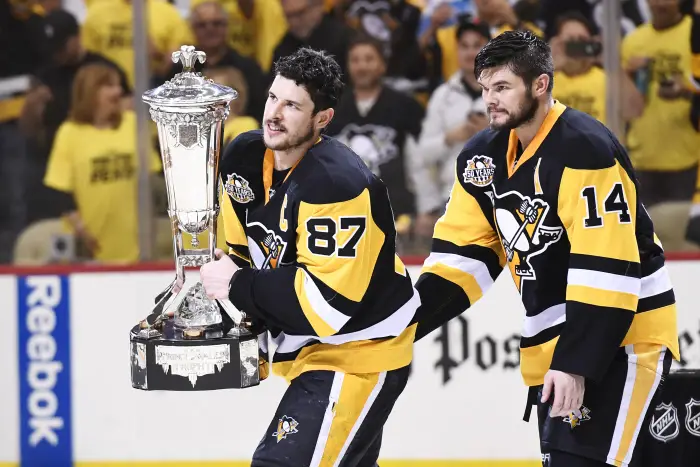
[[455, 113], [581, 83], [662, 142]]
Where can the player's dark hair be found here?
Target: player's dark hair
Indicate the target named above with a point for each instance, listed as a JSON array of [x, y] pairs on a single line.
[[364, 39], [317, 72], [578, 17], [525, 54]]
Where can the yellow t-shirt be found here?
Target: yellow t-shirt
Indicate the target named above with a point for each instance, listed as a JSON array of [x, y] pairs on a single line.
[[258, 36], [663, 137], [237, 125], [232, 128], [585, 92], [91, 3], [108, 30], [100, 168]]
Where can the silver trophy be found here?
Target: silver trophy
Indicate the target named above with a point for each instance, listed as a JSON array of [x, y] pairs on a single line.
[[190, 342]]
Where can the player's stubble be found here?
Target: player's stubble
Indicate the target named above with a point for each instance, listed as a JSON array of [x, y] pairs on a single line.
[[526, 112], [292, 141]]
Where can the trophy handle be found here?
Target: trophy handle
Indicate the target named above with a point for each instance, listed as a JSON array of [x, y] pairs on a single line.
[[234, 313], [177, 250], [166, 298]]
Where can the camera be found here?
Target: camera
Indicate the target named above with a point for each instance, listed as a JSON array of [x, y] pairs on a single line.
[[583, 49]]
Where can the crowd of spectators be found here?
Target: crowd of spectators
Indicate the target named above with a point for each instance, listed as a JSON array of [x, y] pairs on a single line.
[[68, 152]]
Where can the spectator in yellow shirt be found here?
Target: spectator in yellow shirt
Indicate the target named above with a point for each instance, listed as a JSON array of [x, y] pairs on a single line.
[[94, 158], [108, 31], [210, 25], [255, 27], [663, 144], [580, 82]]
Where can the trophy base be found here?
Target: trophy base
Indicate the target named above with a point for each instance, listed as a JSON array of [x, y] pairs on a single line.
[[172, 360]]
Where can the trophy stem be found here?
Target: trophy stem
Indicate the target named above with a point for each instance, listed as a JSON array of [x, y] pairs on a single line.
[[177, 249]]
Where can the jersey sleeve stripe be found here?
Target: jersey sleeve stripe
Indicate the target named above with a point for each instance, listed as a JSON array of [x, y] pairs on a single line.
[[472, 266], [552, 316], [604, 281], [656, 283], [542, 337], [325, 319], [470, 274], [394, 325], [602, 264], [399, 267], [602, 298], [486, 255], [239, 251], [656, 301]]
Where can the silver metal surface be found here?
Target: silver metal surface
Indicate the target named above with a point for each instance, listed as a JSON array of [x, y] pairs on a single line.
[[189, 111], [250, 362]]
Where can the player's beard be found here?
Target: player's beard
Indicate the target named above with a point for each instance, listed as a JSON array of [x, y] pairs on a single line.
[[526, 112], [294, 141]]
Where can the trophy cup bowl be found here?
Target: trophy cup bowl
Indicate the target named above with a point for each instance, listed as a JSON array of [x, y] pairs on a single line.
[[190, 342]]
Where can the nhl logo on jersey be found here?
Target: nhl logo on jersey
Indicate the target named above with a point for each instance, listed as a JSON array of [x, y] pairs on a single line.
[[664, 424], [239, 189], [692, 417], [479, 171]]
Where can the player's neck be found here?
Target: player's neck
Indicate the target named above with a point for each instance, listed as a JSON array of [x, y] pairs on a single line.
[[526, 133], [286, 159]]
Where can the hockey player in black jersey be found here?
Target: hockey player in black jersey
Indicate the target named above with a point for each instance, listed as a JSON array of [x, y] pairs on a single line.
[[312, 255], [549, 193]]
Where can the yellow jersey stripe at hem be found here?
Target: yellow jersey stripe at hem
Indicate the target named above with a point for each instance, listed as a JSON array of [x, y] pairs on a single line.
[[603, 298], [371, 356]]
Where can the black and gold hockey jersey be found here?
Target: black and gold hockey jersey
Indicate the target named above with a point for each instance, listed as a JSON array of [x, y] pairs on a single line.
[[317, 251], [564, 217]]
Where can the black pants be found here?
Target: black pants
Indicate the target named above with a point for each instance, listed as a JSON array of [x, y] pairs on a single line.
[[329, 418], [657, 187], [608, 429]]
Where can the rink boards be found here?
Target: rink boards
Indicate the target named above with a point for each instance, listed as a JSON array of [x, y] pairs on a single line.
[[65, 390]]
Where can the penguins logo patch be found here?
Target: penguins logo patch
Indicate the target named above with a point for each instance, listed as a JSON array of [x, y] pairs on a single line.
[[520, 223], [479, 171], [239, 188], [266, 246], [285, 426], [578, 416]]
